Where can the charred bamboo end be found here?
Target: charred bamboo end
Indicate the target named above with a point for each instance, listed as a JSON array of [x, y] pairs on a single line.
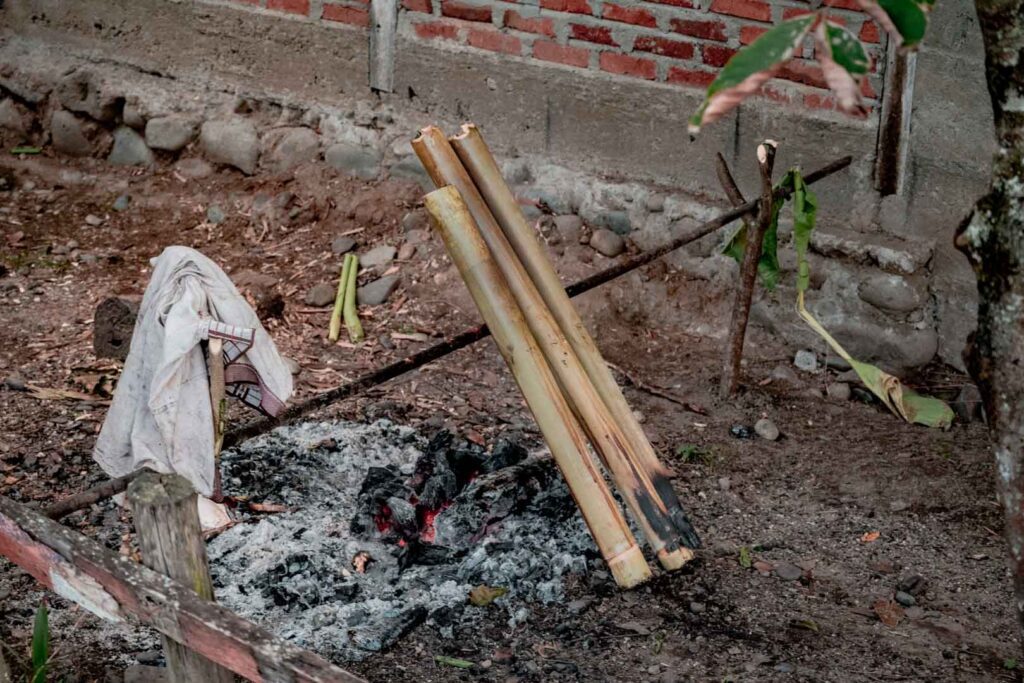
[[677, 559]]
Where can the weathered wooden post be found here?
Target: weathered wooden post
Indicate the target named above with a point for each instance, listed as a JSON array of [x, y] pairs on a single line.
[[171, 541]]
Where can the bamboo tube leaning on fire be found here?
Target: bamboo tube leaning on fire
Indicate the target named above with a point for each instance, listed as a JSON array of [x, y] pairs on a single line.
[[476, 157], [554, 417], [444, 167]]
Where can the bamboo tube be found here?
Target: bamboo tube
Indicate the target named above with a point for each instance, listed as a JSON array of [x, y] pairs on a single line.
[[355, 328], [444, 168], [334, 331], [538, 385], [476, 157]]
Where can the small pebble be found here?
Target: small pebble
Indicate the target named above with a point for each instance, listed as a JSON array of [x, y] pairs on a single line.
[[215, 214], [766, 429], [122, 202], [806, 360], [406, 252], [697, 607], [342, 245], [94, 221], [905, 599], [838, 391], [741, 432], [788, 572]]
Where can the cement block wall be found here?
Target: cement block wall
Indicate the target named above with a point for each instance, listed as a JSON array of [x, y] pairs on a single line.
[[600, 89]]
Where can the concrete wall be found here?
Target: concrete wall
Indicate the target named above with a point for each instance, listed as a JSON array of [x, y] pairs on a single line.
[[587, 101]]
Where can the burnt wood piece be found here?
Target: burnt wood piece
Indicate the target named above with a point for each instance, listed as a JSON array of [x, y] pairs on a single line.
[[112, 327], [115, 588], [452, 343]]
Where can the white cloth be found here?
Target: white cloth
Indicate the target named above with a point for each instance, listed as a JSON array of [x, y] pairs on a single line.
[[161, 416]]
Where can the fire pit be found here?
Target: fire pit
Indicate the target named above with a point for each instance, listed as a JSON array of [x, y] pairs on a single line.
[[387, 529]]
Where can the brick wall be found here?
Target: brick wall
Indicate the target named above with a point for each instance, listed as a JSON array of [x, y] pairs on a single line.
[[667, 41]]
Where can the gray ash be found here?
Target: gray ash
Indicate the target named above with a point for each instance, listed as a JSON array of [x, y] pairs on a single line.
[[426, 520]]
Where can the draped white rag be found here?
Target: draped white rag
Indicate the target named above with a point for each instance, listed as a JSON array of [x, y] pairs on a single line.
[[161, 416]]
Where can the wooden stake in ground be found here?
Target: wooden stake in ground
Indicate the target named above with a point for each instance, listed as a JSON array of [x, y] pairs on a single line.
[[483, 169], [608, 439], [219, 406], [748, 268], [171, 542], [554, 417]]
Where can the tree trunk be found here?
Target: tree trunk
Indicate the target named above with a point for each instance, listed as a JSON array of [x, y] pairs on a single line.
[[993, 239]]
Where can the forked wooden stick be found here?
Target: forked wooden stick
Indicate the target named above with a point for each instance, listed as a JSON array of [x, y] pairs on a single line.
[[444, 167], [568, 444], [483, 169], [748, 268]]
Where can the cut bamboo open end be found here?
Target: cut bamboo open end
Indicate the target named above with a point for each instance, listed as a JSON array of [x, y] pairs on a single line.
[[629, 569], [561, 431]]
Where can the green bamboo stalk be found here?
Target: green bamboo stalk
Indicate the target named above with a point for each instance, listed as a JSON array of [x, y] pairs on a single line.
[[476, 157], [610, 442], [355, 328], [540, 389], [334, 331]]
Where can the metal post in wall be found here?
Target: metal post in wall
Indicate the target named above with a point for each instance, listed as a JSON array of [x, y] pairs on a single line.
[[383, 24], [893, 146]]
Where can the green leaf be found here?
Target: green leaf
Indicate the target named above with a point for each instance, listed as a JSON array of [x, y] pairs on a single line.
[[481, 596], [749, 68], [23, 149], [40, 644], [454, 661], [746, 561], [844, 62], [768, 263], [904, 20]]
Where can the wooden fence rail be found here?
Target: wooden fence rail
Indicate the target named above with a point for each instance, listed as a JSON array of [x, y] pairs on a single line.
[[115, 588]]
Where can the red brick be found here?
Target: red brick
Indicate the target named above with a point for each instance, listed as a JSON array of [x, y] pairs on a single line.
[[749, 34], [293, 6], [425, 6], [347, 15], [819, 101], [466, 12], [574, 6], [675, 3], [630, 15], [540, 25], [592, 34], [618, 63], [562, 54], [747, 9], [717, 55], [800, 71], [664, 46], [694, 77], [867, 90], [708, 30], [869, 32], [495, 41], [437, 29]]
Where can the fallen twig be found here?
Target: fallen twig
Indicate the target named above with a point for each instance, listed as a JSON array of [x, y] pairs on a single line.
[[657, 391]]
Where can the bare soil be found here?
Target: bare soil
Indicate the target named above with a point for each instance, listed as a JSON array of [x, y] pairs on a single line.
[[790, 584]]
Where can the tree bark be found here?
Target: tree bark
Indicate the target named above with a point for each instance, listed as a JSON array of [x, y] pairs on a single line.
[[992, 237]]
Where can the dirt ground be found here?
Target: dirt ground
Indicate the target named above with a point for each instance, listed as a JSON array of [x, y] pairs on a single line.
[[789, 585]]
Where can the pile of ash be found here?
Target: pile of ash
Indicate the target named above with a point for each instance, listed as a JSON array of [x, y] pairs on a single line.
[[387, 530]]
